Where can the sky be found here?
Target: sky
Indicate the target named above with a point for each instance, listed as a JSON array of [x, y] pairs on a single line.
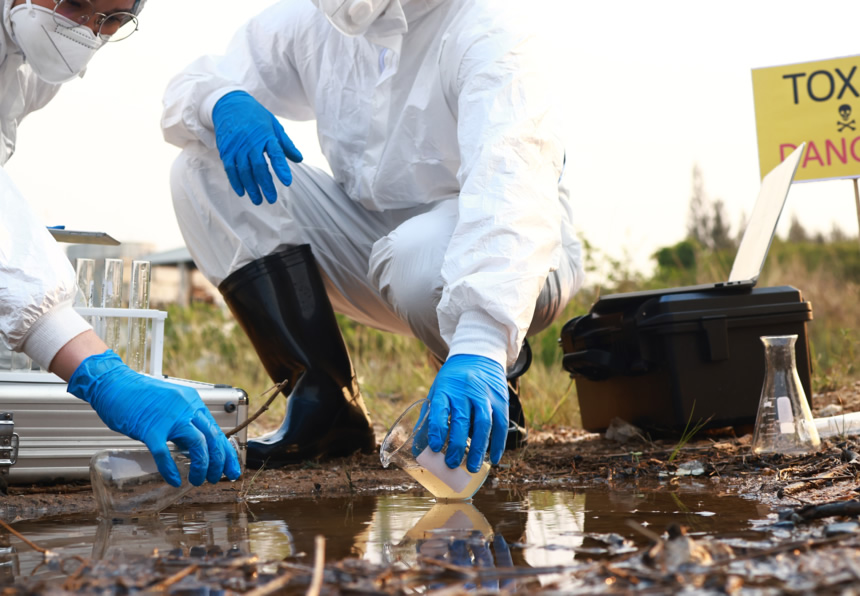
[[649, 90]]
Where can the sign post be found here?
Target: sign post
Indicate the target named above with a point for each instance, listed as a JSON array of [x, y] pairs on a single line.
[[817, 102]]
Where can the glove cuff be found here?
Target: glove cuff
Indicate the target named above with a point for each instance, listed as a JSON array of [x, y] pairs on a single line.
[[207, 106], [85, 378]]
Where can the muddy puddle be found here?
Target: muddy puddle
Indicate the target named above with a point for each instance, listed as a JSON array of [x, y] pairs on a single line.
[[536, 535]]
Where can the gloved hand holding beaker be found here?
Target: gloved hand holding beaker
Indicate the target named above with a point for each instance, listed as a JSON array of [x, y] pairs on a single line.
[[154, 411], [246, 133], [472, 392]]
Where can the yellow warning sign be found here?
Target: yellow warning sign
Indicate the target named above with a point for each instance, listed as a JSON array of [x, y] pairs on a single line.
[[815, 102]]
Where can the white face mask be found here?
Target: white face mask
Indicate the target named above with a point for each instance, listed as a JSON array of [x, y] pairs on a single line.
[[57, 53], [352, 17]]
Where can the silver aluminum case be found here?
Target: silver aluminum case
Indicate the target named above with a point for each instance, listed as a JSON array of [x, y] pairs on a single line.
[[59, 433]]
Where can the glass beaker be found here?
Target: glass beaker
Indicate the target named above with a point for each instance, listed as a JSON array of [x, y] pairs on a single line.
[[406, 444], [112, 298], [138, 297], [784, 422], [127, 483]]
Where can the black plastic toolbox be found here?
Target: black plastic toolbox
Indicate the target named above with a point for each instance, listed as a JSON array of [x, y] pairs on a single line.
[[661, 360]]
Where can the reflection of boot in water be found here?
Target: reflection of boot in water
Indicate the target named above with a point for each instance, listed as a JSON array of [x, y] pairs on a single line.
[[281, 303]]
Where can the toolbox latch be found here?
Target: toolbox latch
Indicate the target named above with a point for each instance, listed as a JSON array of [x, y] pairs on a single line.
[[8, 442], [716, 337]]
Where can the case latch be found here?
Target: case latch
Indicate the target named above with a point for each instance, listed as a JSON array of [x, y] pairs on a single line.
[[8, 442]]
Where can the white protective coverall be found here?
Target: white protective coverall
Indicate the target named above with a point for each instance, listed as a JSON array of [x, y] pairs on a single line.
[[445, 218], [37, 281]]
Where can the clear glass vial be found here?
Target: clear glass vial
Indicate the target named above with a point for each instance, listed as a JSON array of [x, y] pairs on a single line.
[[784, 422], [407, 445], [126, 482]]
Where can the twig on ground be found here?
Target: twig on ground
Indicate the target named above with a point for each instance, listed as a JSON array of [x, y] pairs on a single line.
[[21, 537], [319, 567], [179, 575], [273, 586], [277, 390]]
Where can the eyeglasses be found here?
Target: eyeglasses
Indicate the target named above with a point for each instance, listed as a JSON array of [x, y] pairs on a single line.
[[110, 27]]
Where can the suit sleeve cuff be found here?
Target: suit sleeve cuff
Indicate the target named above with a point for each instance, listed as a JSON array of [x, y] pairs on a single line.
[[52, 331], [480, 334], [208, 104]]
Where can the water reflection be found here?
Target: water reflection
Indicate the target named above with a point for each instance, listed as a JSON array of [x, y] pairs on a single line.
[[540, 529], [555, 529]]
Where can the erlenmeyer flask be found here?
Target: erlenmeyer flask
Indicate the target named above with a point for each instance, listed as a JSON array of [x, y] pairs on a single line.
[[784, 422]]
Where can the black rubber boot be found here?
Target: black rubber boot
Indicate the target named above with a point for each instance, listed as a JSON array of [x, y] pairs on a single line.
[[518, 434], [281, 303]]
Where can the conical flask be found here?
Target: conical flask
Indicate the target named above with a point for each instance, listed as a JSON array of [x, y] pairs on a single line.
[[784, 422]]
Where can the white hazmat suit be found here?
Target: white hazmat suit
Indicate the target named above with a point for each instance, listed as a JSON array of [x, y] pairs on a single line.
[[37, 282], [445, 217]]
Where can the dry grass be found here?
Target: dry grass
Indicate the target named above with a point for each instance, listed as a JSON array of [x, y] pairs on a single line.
[[833, 332], [204, 343]]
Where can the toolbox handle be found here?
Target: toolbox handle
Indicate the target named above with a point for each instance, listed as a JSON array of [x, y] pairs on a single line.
[[595, 365]]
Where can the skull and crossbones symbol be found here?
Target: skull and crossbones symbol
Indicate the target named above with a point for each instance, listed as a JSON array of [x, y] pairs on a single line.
[[845, 114]]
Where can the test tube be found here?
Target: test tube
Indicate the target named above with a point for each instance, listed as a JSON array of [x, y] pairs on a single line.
[[138, 298], [85, 296], [85, 271], [112, 298]]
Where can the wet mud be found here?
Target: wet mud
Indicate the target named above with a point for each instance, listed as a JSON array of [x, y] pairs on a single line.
[[572, 512]]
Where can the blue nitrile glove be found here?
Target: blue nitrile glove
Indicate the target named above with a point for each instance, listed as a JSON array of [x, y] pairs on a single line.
[[245, 133], [473, 392], [154, 412]]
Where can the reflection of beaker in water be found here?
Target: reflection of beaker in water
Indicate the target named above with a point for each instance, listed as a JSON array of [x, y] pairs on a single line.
[[449, 520], [784, 422], [441, 532], [215, 530], [457, 533], [129, 538], [407, 445]]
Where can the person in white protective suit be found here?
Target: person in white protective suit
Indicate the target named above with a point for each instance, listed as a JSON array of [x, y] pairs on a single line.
[[444, 217], [43, 44]]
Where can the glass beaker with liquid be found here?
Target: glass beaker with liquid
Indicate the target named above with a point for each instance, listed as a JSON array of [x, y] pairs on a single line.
[[407, 445], [784, 422]]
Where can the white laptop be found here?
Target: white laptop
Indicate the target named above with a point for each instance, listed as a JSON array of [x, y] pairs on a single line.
[[755, 243]]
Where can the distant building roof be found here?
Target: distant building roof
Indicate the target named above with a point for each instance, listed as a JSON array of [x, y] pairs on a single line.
[[175, 256]]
